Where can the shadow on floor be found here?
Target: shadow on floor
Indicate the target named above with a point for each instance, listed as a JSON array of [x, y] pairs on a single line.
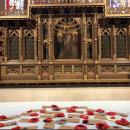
[[64, 85]]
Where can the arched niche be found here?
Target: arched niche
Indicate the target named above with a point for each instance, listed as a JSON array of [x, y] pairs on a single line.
[[67, 39]]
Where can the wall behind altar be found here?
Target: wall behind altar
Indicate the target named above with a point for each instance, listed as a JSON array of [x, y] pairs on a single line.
[[65, 94]]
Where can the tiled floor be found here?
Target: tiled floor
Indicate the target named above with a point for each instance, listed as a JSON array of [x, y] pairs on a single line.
[[65, 94]]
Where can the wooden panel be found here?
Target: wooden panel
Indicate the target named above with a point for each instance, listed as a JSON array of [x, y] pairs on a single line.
[[115, 76], [68, 77]]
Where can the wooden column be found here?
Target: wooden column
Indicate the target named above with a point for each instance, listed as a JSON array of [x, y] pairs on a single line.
[[99, 41], [99, 50], [95, 47], [113, 41], [5, 44], [84, 45], [35, 44], [39, 47], [25, 7], [51, 46], [51, 53], [84, 32], [95, 37], [21, 44], [128, 44]]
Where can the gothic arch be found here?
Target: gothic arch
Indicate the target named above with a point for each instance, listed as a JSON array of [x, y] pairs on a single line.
[[106, 43], [121, 43], [13, 45], [29, 44]]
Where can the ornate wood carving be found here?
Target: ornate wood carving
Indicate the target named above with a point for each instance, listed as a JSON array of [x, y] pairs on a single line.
[[2, 35], [45, 25]]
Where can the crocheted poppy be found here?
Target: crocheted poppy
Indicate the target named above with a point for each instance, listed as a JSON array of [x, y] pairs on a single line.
[[53, 106], [29, 111], [42, 111], [84, 117], [33, 120], [102, 126], [100, 110], [116, 127], [90, 113], [16, 128], [123, 122], [48, 120], [85, 121], [56, 109], [61, 121], [71, 110], [74, 107], [80, 127], [59, 115], [34, 114], [3, 117], [113, 117], [2, 124], [111, 113]]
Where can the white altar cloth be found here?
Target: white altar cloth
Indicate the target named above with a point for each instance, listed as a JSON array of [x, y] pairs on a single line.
[[14, 108]]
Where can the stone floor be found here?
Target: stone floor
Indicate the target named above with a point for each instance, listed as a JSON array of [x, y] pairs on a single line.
[[65, 94]]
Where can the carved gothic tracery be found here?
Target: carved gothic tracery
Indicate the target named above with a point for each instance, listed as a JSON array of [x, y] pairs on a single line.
[[29, 44], [65, 43], [1, 44]]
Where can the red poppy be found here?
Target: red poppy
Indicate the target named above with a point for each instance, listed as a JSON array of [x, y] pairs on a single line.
[[84, 117], [74, 107], [33, 120], [80, 127], [100, 110], [90, 113], [34, 114], [2, 124], [61, 121], [123, 122], [85, 121], [16, 128], [53, 106], [71, 110], [48, 120], [2, 117], [111, 113], [29, 111], [102, 126], [113, 117], [42, 111], [56, 109], [60, 115]]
